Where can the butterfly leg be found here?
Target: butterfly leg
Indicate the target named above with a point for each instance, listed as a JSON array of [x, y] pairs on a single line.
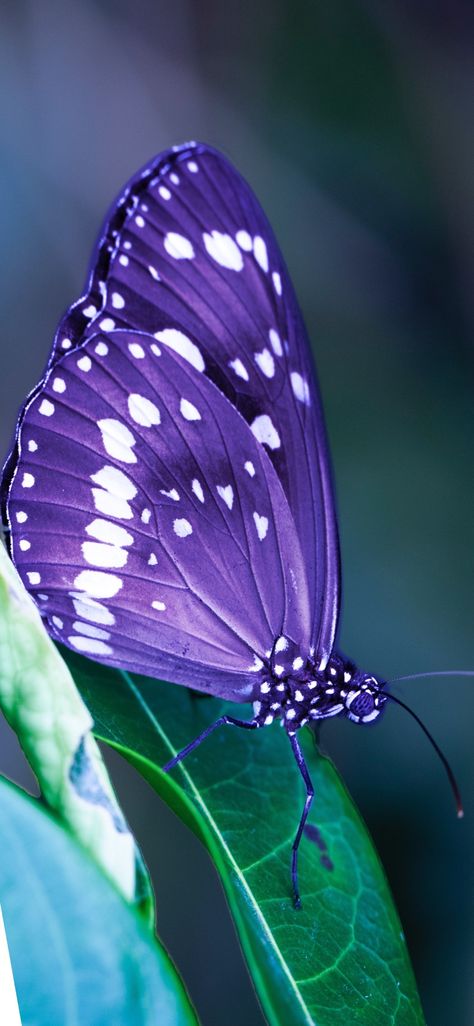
[[246, 724], [300, 762]]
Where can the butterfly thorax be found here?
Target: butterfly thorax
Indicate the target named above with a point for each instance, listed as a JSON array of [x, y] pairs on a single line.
[[296, 692]]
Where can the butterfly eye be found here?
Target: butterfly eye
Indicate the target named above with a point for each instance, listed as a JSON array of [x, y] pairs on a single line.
[[362, 706]]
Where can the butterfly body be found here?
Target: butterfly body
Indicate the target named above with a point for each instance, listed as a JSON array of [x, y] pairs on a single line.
[[169, 496], [298, 694]]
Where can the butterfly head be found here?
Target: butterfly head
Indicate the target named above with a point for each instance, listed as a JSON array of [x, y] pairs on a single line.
[[347, 691], [364, 700]]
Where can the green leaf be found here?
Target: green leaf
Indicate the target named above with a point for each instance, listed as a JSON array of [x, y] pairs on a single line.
[[80, 955], [42, 705], [342, 958]]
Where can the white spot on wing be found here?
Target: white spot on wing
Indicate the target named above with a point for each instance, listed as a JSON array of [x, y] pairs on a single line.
[[32, 445], [197, 489], [261, 523], [300, 387], [46, 408], [89, 609], [115, 482], [156, 604], [21, 517], [266, 362], [90, 631], [244, 240], [111, 505], [101, 349], [181, 344], [172, 494], [98, 584], [118, 301], [275, 342], [84, 363], [107, 531], [164, 192], [226, 493], [223, 250], [111, 498], [107, 324], [178, 247], [33, 576], [188, 410], [24, 545], [239, 369], [276, 279], [136, 350], [59, 385], [265, 432], [28, 480], [91, 646], [249, 467], [145, 516], [117, 440], [143, 411], [182, 528], [260, 252], [106, 556]]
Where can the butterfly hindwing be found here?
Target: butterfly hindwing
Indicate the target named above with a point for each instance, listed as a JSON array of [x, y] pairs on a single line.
[[188, 255], [149, 522]]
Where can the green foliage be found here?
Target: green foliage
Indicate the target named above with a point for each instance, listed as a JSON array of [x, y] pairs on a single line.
[[343, 957], [80, 955], [54, 728]]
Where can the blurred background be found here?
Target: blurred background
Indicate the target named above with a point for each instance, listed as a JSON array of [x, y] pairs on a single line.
[[351, 121]]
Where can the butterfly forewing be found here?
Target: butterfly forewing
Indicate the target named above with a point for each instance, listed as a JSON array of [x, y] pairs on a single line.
[[188, 256], [150, 523]]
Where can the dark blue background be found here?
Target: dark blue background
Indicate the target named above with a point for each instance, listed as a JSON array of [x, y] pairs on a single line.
[[351, 121]]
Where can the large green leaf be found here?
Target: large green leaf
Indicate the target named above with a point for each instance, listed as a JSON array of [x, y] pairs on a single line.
[[341, 959], [80, 955]]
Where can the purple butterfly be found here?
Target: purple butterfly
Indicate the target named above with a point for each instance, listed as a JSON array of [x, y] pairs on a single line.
[[169, 497]]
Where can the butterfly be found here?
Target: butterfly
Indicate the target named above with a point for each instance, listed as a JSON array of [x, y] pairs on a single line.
[[169, 497]]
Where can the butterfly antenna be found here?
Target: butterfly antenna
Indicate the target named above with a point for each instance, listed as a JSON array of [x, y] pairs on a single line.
[[451, 777], [434, 673]]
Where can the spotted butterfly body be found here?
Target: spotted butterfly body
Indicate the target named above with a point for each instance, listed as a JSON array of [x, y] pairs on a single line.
[[169, 495]]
